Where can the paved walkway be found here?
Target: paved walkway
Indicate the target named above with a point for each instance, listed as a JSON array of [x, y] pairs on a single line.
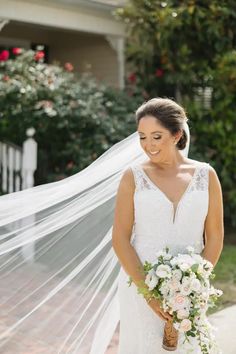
[[224, 320], [17, 285]]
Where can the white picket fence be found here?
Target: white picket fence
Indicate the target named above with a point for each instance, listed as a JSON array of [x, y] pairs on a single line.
[[18, 164], [17, 167]]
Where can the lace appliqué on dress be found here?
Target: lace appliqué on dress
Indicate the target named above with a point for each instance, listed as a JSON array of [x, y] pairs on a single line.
[[141, 182], [200, 182]]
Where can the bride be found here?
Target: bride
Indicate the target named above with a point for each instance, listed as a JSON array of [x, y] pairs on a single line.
[[170, 201], [68, 247]]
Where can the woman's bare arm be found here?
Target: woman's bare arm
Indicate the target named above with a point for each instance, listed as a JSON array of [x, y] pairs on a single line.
[[214, 224], [121, 235], [122, 229]]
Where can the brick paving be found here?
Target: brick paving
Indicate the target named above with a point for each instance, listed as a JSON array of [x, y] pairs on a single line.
[[16, 286]]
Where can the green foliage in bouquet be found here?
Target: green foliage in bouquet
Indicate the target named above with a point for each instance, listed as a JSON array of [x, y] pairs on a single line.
[[76, 119]]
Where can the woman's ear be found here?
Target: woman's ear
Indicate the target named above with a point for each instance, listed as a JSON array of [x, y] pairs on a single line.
[[177, 136]]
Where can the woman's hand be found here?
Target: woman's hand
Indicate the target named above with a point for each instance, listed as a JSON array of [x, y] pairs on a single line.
[[155, 305]]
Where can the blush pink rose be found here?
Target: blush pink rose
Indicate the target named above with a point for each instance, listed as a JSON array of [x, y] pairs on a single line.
[[185, 325], [179, 302]]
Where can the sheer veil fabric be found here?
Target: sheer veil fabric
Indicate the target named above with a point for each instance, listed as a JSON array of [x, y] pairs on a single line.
[[59, 273]]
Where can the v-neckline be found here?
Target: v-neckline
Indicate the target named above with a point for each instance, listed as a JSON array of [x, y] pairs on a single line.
[[165, 196]]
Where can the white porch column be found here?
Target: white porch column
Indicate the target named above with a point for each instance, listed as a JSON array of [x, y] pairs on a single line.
[[3, 22], [118, 44]]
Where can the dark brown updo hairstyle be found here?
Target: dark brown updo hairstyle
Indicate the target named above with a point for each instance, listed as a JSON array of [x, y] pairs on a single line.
[[168, 113]]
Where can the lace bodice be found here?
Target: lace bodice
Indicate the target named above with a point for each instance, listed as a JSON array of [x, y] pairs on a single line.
[[159, 223]]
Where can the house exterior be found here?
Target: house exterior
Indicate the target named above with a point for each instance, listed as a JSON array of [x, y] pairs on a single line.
[[84, 33]]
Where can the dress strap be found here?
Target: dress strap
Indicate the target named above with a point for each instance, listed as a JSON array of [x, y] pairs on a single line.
[[136, 172], [201, 180], [141, 182]]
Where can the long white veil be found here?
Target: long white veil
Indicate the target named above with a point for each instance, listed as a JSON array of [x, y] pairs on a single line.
[[58, 270]]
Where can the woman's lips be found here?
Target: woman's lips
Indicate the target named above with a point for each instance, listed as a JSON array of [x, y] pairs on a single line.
[[154, 152]]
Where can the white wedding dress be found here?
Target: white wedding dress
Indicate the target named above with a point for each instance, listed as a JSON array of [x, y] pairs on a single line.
[[155, 227]]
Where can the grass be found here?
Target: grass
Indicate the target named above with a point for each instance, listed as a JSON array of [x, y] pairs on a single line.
[[225, 279]]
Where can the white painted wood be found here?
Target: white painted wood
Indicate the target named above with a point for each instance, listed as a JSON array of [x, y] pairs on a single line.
[[4, 167], [13, 163], [118, 44], [29, 161], [3, 22], [10, 166], [204, 96], [18, 163], [62, 16]]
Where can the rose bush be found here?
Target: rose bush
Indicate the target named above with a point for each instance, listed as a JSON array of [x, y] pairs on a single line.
[[76, 119]]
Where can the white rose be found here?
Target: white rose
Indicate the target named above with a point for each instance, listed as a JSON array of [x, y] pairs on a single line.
[[177, 274], [185, 325], [190, 249], [174, 284], [184, 266], [151, 279], [197, 258], [196, 285], [205, 295], [163, 254], [163, 271], [164, 289], [185, 258], [182, 313], [186, 288], [200, 269]]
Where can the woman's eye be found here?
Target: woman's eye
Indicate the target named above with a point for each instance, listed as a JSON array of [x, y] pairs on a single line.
[[155, 137]]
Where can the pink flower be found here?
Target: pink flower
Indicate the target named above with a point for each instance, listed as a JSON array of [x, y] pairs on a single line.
[[69, 67], [16, 51], [70, 165], [180, 302], [185, 325], [44, 104], [159, 73], [39, 55], [6, 78], [4, 55], [182, 313], [132, 78]]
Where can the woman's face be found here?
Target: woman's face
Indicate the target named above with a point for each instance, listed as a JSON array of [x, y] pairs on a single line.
[[157, 141]]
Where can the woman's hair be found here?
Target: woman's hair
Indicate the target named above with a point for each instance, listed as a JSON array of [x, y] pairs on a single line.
[[168, 113]]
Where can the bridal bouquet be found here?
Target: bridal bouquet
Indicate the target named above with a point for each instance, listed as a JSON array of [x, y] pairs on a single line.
[[182, 285]]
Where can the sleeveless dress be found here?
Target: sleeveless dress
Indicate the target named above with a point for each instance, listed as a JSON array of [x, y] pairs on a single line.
[[155, 227]]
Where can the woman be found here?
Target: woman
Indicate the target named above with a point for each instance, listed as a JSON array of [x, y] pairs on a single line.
[[59, 272], [168, 200]]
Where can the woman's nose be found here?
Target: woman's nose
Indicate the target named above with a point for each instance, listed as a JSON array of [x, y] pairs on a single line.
[[150, 145]]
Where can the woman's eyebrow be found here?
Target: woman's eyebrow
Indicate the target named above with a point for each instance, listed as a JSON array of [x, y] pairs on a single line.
[[151, 132]]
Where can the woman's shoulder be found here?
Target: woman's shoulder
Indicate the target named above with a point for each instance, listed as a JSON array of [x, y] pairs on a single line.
[[127, 178], [207, 166], [198, 163], [188, 163]]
